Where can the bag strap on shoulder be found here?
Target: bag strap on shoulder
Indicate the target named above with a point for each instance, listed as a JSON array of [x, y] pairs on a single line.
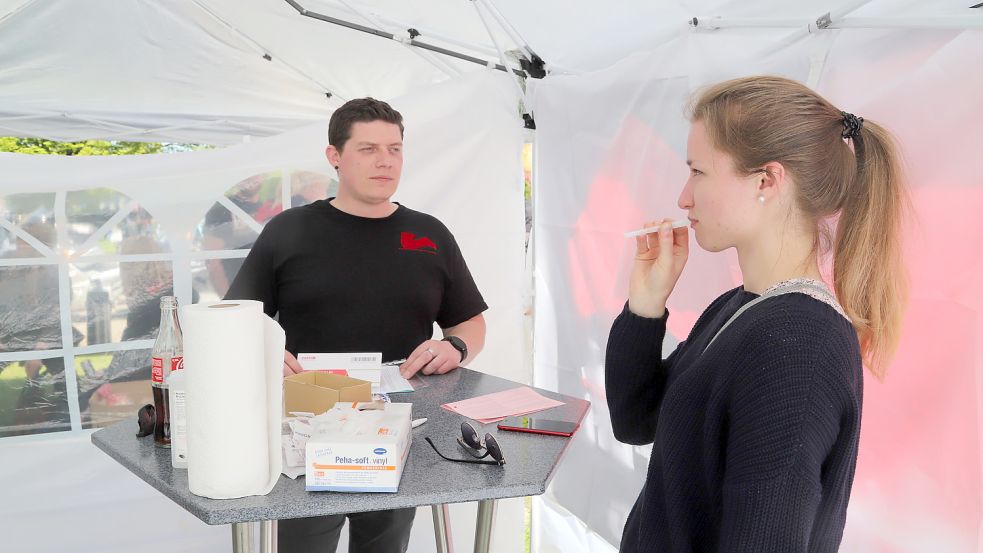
[[804, 286]]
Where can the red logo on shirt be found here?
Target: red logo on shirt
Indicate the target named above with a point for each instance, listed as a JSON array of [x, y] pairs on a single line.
[[410, 242]]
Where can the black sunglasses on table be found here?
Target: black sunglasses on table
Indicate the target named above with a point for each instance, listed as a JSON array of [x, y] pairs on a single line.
[[473, 445]]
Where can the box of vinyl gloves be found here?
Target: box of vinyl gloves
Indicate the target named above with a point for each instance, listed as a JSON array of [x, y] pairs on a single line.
[[358, 451]]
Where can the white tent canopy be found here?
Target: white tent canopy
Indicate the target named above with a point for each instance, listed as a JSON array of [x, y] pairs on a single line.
[[197, 70], [609, 145]]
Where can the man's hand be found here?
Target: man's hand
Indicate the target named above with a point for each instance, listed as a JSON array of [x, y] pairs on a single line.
[[290, 364], [431, 357]]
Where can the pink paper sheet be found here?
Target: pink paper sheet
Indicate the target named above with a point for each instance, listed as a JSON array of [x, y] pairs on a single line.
[[494, 407]]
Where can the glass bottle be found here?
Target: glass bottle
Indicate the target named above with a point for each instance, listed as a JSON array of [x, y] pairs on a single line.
[[167, 356]]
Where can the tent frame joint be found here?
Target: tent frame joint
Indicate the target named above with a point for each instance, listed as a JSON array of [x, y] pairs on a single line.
[[824, 21], [535, 67], [530, 123]]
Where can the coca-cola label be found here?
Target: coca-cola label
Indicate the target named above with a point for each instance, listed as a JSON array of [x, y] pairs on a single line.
[[177, 363], [157, 369]]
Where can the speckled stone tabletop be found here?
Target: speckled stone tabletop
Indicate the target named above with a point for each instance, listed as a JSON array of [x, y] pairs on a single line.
[[427, 479]]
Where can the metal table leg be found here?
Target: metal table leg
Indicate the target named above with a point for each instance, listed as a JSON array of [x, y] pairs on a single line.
[[267, 536], [484, 525], [442, 528], [242, 541]]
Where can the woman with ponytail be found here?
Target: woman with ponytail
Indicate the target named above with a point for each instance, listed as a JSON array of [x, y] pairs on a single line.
[[754, 419]]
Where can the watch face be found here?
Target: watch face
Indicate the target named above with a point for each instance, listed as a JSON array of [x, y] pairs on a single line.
[[458, 344]]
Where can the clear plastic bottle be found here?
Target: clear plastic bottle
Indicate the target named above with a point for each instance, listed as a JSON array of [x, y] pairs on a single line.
[[167, 356]]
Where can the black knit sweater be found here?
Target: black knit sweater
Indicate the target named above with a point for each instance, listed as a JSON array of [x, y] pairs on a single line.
[[754, 442]]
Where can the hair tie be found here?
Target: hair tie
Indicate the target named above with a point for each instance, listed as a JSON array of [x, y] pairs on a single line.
[[851, 125]]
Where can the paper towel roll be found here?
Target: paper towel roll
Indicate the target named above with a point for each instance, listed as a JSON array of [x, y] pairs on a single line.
[[233, 355]]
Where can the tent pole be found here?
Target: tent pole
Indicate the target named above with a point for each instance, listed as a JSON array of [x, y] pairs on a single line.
[[450, 70], [16, 10], [507, 27], [824, 21], [482, 48], [268, 54], [713, 23], [821, 22], [411, 41], [955, 23], [526, 116], [498, 46], [536, 67]]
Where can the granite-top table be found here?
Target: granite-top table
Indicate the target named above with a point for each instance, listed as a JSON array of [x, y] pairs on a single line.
[[531, 460]]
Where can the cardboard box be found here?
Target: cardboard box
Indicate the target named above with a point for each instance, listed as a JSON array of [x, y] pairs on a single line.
[[316, 392], [359, 451]]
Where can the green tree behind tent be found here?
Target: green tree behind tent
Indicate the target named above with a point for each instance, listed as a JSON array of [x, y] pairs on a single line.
[[91, 147]]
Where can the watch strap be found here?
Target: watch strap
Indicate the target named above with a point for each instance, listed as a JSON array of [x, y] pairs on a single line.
[[458, 344]]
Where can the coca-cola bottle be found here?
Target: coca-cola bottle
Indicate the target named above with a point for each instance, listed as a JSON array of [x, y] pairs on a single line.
[[167, 356]]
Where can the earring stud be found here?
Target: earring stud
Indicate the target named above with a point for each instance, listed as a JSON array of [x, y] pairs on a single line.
[[761, 199]]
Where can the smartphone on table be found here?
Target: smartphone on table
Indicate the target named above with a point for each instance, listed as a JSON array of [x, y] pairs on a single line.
[[539, 425]]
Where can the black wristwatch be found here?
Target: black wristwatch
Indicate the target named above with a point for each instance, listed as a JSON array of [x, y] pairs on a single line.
[[459, 345]]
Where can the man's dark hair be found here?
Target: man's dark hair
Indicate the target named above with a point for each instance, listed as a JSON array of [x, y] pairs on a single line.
[[359, 110]]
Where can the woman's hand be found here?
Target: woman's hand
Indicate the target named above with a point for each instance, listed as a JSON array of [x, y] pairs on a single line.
[[659, 260]]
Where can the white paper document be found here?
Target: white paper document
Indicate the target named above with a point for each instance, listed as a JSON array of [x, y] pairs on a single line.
[[391, 381], [360, 365]]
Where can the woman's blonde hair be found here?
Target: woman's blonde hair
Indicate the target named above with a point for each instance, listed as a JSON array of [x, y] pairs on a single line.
[[762, 119]]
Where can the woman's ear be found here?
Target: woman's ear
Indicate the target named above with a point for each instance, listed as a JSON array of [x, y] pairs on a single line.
[[771, 180]]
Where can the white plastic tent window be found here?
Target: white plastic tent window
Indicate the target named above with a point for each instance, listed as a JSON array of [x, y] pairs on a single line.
[[81, 276]]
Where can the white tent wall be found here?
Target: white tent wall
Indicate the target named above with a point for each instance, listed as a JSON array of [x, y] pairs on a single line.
[[611, 147], [462, 164]]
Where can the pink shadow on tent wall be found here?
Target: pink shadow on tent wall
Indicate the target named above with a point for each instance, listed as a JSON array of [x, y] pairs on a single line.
[[918, 475], [638, 180], [596, 258]]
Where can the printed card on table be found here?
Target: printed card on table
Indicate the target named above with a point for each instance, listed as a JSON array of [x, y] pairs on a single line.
[[361, 365]]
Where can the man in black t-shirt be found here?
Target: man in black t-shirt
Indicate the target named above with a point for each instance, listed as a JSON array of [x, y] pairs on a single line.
[[360, 273]]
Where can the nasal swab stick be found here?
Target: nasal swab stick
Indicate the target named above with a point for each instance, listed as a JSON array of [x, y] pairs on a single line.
[[650, 230]]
